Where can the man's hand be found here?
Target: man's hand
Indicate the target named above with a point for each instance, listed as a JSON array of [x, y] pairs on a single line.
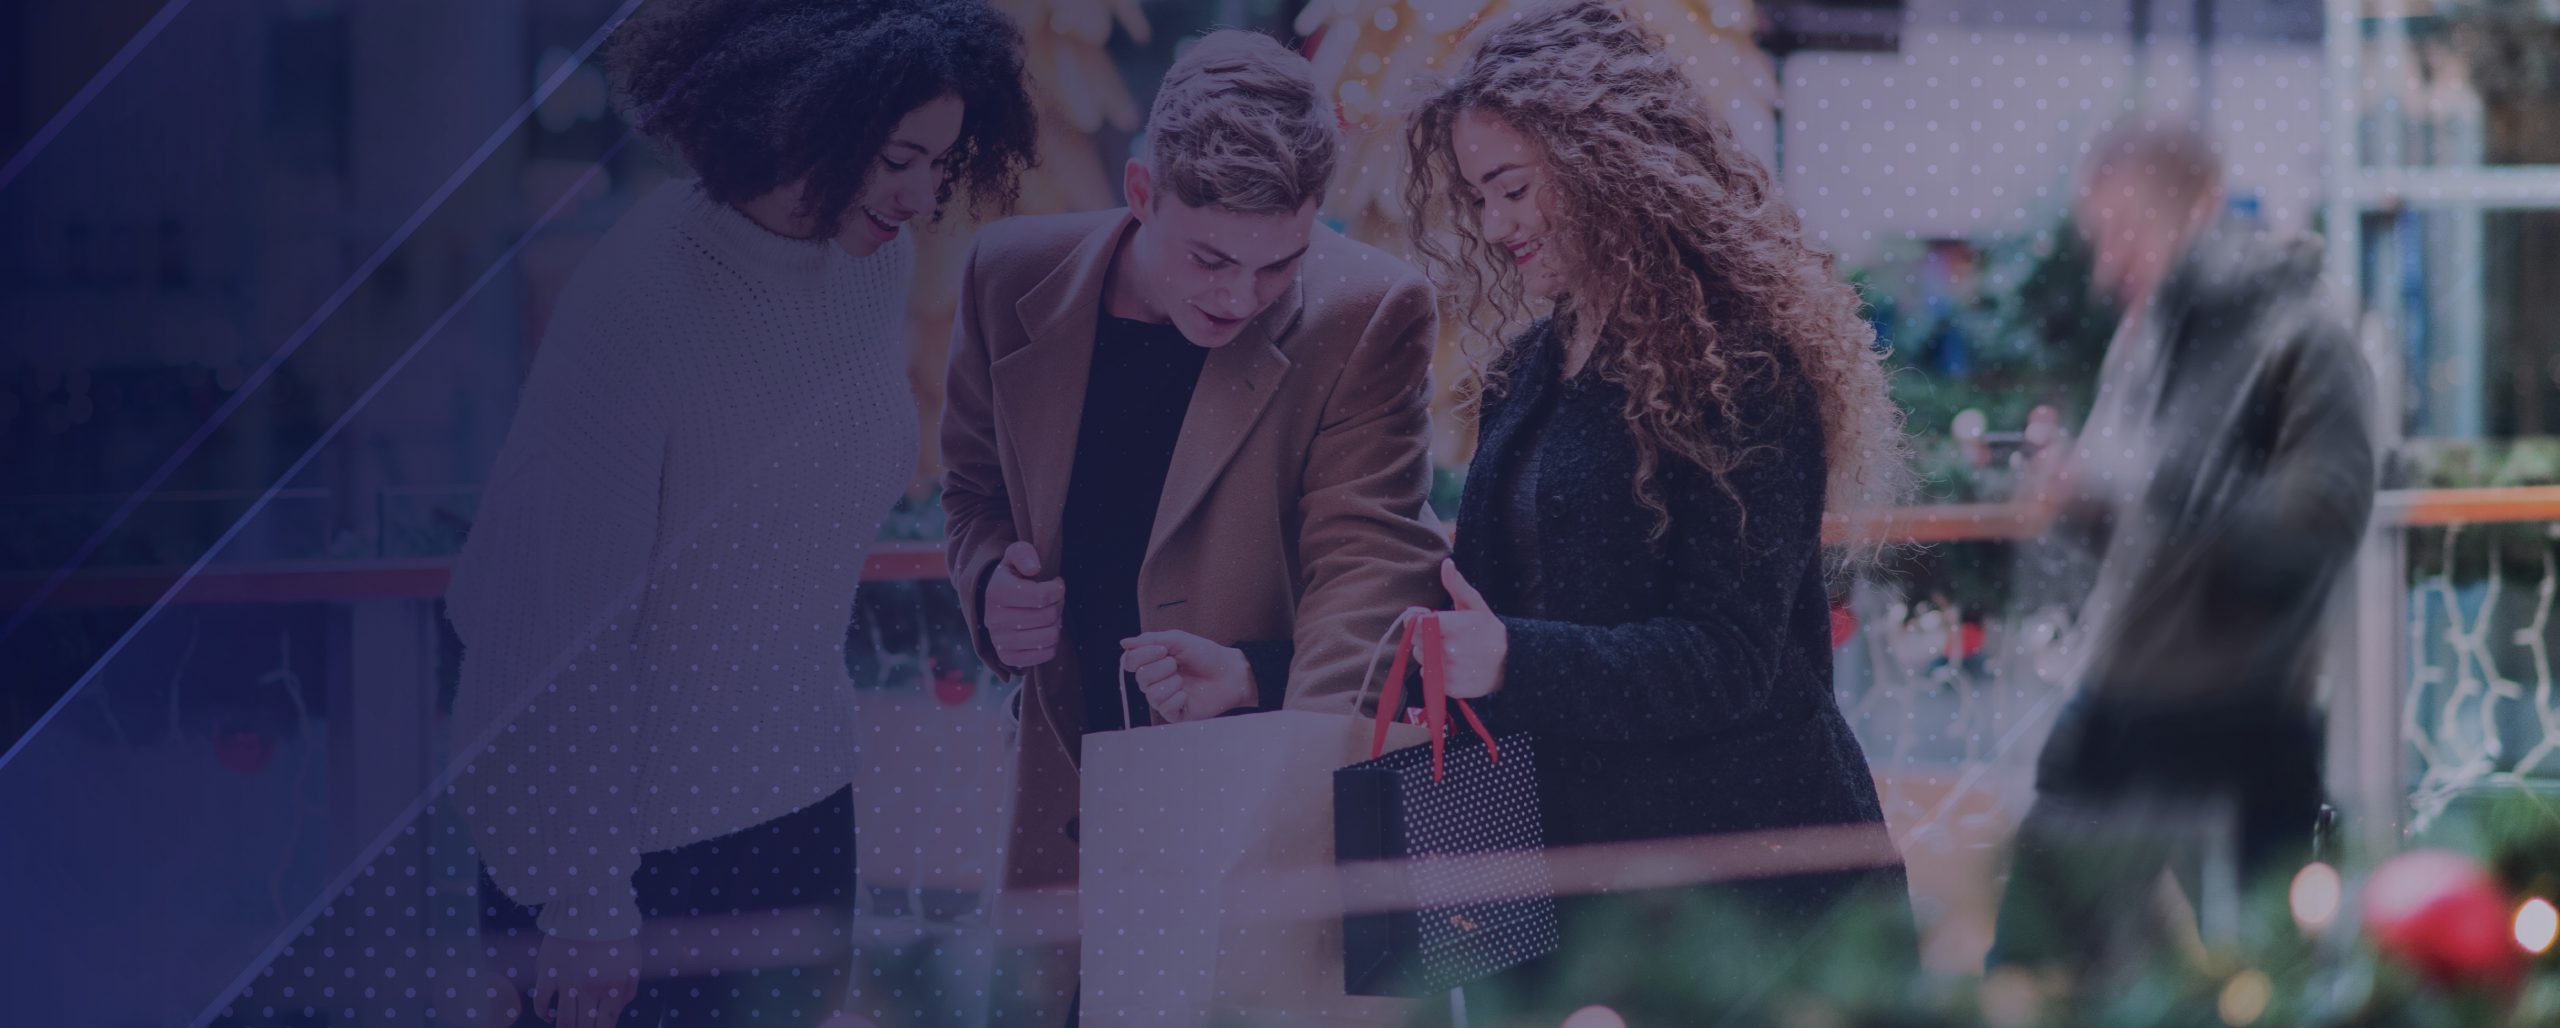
[[591, 980], [1473, 642], [1186, 677], [2049, 487], [1022, 612]]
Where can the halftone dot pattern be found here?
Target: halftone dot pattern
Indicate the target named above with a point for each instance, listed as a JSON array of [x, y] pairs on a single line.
[[1153, 870], [372, 957], [1481, 808], [716, 700], [934, 794], [1971, 130], [717, 424], [1975, 128], [456, 949], [1178, 823]]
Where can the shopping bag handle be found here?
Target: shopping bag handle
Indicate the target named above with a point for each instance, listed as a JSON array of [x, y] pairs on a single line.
[[1368, 668], [1120, 683], [1435, 698], [1419, 627], [1392, 695]]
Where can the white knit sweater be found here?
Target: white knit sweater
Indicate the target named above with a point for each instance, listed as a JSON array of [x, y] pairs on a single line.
[[654, 596]]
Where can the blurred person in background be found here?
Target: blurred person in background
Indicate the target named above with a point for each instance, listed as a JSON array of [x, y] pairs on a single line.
[[2222, 483], [715, 426]]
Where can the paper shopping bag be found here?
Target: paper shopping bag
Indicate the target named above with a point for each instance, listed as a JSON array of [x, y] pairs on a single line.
[[1185, 829]]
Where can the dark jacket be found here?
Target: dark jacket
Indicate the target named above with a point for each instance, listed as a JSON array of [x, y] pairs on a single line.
[[2203, 627], [1681, 686], [2262, 489]]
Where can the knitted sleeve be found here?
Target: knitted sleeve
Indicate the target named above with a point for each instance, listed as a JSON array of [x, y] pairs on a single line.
[[545, 597]]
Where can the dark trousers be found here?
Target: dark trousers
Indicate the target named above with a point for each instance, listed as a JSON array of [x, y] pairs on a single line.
[[797, 863], [2124, 793]]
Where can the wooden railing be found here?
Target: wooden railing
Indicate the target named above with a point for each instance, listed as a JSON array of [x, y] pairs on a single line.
[[1937, 523], [2417, 507], [2392, 508]]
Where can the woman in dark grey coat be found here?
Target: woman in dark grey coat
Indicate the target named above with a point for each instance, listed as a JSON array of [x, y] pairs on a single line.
[[1639, 570]]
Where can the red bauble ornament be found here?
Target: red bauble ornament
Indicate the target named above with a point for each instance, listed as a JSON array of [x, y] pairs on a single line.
[[2443, 914], [952, 689]]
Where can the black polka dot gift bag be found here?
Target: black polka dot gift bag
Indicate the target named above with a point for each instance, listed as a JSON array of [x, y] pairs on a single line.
[[1459, 820]]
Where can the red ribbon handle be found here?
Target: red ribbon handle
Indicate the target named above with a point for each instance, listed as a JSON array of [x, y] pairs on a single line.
[[1421, 631], [1391, 694], [1435, 698]]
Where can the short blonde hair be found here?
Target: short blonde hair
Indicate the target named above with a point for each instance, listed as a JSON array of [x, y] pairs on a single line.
[[1239, 124]]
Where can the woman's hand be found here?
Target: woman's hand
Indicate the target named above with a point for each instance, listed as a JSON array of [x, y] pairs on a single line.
[[1473, 644], [1186, 677]]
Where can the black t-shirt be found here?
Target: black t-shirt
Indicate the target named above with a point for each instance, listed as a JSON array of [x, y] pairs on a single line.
[[1134, 402]]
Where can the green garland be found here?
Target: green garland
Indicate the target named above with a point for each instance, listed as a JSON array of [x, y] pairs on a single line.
[[1694, 960]]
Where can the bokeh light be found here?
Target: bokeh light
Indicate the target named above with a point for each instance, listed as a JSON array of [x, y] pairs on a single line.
[[2315, 896], [1594, 1017], [2245, 997], [2537, 924]]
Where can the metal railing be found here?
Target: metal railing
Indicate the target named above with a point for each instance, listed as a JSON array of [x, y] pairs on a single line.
[[2441, 677]]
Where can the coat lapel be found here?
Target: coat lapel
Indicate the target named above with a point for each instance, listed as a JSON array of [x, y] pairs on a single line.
[[1530, 378], [1236, 386], [1040, 387]]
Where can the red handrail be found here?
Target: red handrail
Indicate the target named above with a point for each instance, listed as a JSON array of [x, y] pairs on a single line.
[[339, 581], [344, 581]]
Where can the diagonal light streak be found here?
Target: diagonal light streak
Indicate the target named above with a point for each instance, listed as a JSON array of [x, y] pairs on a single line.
[[310, 326], [97, 84], [477, 158], [436, 788]]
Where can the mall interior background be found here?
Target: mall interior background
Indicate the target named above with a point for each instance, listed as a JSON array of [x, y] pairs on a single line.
[[273, 269]]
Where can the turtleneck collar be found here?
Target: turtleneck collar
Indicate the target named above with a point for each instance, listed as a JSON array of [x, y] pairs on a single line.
[[734, 235]]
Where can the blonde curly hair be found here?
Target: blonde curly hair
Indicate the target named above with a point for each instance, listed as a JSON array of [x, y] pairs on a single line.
[[1693, 270]]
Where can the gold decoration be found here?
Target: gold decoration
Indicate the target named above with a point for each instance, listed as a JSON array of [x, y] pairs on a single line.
[[1080, 92]]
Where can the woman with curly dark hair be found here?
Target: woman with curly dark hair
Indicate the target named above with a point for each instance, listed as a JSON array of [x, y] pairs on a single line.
[[1644, 509], [654, 720]]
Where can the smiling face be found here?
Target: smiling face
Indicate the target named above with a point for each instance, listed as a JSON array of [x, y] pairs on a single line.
[[904, 178], [1207, 270], [1504, 180]]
